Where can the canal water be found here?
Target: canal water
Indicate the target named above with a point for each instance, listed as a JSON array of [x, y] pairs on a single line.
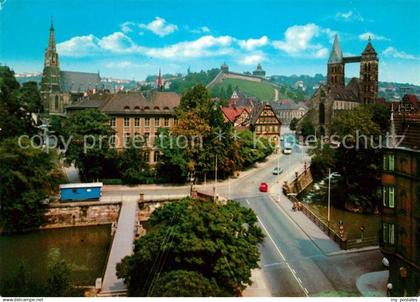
[[85, 249], [315, 197]]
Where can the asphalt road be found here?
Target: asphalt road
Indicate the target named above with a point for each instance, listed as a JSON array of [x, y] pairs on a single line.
[[291, 262]]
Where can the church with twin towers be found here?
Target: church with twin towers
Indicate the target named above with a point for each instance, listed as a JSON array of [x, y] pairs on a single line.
[[335, 95]]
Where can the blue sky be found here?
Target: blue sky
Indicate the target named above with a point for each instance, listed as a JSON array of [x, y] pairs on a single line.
[[133, 38]]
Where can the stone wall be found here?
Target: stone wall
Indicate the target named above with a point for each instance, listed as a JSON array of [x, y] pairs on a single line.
[[80, 214], [300, 182]]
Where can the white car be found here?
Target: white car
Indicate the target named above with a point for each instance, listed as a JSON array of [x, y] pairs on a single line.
[[287, 150]]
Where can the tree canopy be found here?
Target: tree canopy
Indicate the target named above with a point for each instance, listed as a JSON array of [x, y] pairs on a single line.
[[203, 240]]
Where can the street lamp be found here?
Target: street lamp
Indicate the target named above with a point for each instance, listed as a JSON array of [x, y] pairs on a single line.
[[215, 178]]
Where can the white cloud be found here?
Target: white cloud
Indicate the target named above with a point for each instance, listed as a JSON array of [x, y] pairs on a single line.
[[126, 27], [202, 47], [391, 52], [349, 16], [299, 41], [200, 30], [120, 43], [79, 46], [160, 27], [365, 36], [252, 59], [2, 3], [251, 44], [117, 42]]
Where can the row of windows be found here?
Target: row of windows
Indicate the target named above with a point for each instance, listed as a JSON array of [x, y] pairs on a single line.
[[270, 129], [342, 105], [127, 121], [389, 163]]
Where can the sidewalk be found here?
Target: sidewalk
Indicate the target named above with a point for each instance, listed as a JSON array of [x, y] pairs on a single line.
[[242, 174], [259, 287], [373, 284], [314, 233]]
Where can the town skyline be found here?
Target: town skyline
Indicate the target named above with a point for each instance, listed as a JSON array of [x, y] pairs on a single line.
[[137, 40]]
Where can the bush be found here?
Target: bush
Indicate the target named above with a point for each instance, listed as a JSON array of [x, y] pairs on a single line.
[[112, 181]]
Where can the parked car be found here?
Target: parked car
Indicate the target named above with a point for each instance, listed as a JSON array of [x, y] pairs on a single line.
[[263, 187], [287, 150], [277, 171]]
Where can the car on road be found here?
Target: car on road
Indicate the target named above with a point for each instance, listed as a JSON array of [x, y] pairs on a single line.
[[277, 171], [263, 187], [287, 150]]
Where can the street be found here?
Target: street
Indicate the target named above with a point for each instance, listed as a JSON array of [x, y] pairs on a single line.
[[295, 261]]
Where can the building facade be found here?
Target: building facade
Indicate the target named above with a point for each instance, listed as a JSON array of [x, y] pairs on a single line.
[[60, 88], [134, 116], [286, 110], [335, 96], [400, 219]]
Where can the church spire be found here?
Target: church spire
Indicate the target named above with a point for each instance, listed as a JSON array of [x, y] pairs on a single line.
[[51, 42], [336, 55]]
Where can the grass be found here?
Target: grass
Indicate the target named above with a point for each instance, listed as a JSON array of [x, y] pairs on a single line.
[[261, 90]]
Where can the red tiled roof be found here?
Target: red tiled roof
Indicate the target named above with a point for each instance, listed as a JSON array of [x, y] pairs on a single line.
[[232, 113], [411, 98], [408, 125]]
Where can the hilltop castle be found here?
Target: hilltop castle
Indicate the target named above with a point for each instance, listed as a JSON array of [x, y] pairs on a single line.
[[335, 96]]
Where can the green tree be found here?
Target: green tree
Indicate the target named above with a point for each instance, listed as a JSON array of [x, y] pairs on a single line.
[[27, 176], [89, 132], [132, 166], [307, 128], [30, 96], [15, 113], [196, 236], [58, 280], [293, 124], [20, 284], [183, 283]]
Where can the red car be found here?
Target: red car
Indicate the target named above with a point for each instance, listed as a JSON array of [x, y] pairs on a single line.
[[263, 187]]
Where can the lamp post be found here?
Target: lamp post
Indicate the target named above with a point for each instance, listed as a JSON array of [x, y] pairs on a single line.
[[329, 196], [215, 178]]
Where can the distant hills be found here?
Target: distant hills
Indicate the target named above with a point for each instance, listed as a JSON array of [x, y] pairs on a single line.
[[273, 87]]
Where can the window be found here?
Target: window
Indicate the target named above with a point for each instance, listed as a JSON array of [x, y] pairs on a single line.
[[389, 162], [126, 139], [156, 156], [112, 141], [156, 122], [112, 122], [126, 122], [137, 122], [147, 122], [388, 233], [388, 196], [166, 122], [321, 113]]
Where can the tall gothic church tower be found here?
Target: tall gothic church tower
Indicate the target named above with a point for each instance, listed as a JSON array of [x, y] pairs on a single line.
[[335, 72], [369, 74], [50, 83]]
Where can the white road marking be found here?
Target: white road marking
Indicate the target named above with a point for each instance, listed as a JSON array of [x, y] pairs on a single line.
[[247, 201], [284, 259]]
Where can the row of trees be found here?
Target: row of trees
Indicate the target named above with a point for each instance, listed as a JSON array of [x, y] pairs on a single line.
[[194, 249], [358, 161], [200, 124], [27, 174]]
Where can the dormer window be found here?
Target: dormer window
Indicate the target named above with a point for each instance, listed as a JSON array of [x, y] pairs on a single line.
[[156, 108], [126, 108], [146, 108], [137, 108], [166, 108]]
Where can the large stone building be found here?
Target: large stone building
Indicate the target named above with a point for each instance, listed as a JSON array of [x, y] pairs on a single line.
[[59, 88], [134, 115], [400, 223], [259, 72], [335, 96], [286, 110]]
